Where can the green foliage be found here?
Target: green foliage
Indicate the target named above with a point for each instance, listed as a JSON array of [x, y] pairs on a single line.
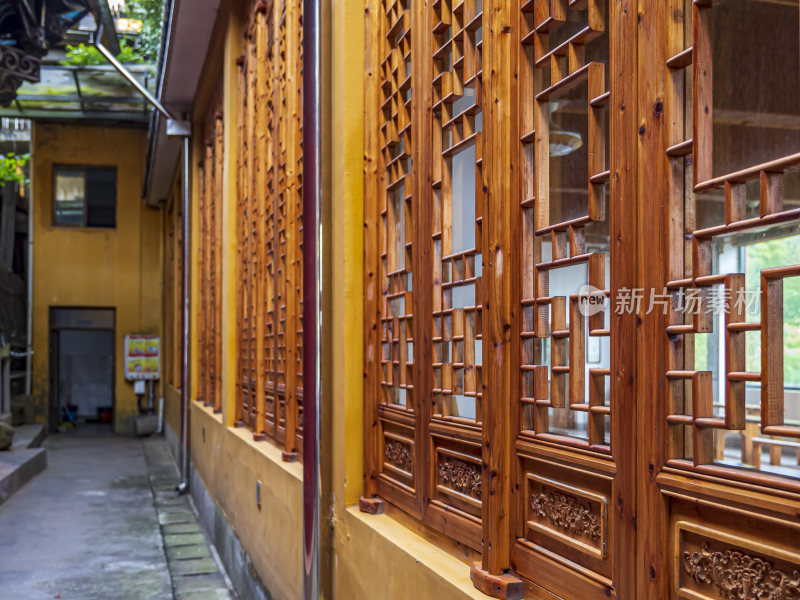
[[83, 55], [151, 12], [147, 45], [11, 167], [776, 253]]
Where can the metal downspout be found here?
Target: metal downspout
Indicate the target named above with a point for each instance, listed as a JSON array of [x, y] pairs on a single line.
[[185, 300], [29, 308], [312, 284]]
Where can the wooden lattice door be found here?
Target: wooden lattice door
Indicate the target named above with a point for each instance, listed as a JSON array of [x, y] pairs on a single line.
[[581, 255], [573, 497], [728, 494]]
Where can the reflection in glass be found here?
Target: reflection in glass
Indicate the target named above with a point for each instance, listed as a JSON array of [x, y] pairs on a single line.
[[70, 197], [750, 252], [569, 155], [756, 82], [397, 203]]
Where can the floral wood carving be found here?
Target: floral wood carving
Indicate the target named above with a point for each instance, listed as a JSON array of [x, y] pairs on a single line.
[[565, 512], [738, 575], [398, 454], [461, 476]]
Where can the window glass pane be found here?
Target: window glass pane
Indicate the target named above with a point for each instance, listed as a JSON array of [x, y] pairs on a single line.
[[749, 253], [569, 154], [397, 200], [464, 102], [756, 82], [70, 193], [464, 200], [102, 197]]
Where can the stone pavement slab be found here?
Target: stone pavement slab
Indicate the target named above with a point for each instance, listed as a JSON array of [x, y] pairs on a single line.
[[195, 573], [86, 528]]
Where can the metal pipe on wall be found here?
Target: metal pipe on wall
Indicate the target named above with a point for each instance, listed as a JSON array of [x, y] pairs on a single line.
[[185, 300], [29, 308], [312, 283]]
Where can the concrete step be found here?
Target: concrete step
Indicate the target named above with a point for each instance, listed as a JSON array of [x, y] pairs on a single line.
[[23, 461], [28, 436]]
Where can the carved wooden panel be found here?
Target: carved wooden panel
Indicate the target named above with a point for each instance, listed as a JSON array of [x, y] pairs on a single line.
[[567, 524], [399, 455], [571, 515], [712, 564]]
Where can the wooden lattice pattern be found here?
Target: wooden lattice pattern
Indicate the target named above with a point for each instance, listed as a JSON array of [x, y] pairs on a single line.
[[173, 286], [455, 425], [458, 210], [210, 258], [269, 301], [396, 255], [564, 81], [752, 200], [396, 401]]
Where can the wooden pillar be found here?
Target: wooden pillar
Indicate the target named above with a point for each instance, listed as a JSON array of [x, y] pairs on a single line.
[[501, 317], [373, 168], [625, 211], [656, 94]]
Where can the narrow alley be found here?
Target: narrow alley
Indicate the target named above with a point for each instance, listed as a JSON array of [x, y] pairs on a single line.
[[93, 525]]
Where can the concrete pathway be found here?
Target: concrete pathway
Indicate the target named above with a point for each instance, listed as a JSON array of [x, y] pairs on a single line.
[[88, 527]]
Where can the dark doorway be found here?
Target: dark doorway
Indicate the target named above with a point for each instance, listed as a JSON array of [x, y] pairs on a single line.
[[81, 365]]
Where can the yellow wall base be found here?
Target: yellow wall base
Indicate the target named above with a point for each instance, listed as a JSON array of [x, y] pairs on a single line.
[[230, 463]]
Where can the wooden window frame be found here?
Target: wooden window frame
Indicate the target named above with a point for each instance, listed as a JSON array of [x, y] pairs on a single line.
[[85, 168], [210, 170]]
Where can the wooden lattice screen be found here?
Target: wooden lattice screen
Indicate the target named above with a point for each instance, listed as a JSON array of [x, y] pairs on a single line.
[[423, 263], [502, 237], [734, 188], [210, 258], [525, 394], [269, 225], [455, 422]]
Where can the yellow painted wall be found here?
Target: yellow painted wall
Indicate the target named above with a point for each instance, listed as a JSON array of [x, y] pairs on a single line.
[[230, 463], [119, 268]]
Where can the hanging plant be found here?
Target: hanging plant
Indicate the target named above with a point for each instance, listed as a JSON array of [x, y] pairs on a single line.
[[11, 169], [83, 55]]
